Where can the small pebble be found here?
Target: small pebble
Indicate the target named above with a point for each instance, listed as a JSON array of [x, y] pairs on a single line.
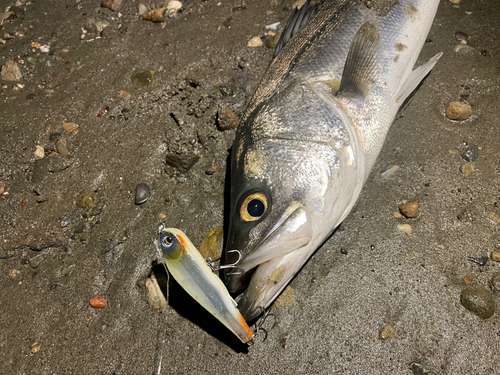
[[458, 111], [405, 228], [463, 48], [397, 215], [255, 42], [97, 302], [142, 9], [286, 299], [495, 256], [212, 245], [85, 200], [62, 147], [45, 49], [387, 332], [478, 301], [24, 202], [471, 154], [212, 170], [142, 193], [479, 260], [183, 163], [461, 36], [467, 280], [39, 152], [467, 169], [36, 260], [409, 210], [162, 216], [113, 5], [11, 72], [440, 247], [495, 284], [493, 216], [325, 272], [35, 347], [69, 126], [14, 273], [143, 79], [226, 119], [389, 171], [154, 295], [174, 6], [157, 15]]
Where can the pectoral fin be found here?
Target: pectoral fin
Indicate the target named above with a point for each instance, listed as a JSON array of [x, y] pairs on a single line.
[[416, 76], [360, 67]]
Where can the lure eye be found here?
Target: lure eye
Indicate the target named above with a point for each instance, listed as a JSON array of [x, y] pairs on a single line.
[[170, 244], [253, 207]]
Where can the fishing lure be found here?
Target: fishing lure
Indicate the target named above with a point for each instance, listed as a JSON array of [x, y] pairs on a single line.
[[194, 275]]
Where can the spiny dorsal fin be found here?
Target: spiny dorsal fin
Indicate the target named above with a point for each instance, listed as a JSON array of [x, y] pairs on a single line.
[[297, 20], [359, 70]]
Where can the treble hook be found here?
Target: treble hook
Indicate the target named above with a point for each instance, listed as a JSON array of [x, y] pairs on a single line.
[[216, 268]]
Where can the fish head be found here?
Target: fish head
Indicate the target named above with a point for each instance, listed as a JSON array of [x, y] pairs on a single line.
[[278, 195]]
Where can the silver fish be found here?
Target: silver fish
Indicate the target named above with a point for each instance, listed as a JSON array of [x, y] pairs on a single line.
[[313, 131]]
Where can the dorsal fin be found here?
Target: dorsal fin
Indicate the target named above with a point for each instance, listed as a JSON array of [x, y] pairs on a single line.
[[359, 70], [297, 20]]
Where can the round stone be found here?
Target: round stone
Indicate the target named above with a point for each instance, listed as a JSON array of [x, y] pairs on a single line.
[[85, 200], [478, 301], [142, 193]]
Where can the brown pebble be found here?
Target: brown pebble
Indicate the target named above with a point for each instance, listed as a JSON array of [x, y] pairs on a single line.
[[154, 295], [97, 302], [467, 168], [86, 200], [24, 202], [494, 217], [495, 256], [70, 126], [3, 189], [387, 332], [409, 209], [157, 15], [113, 5], [101, 112], [326, 272], [211, 247], [227, 119], [62, 147], [467, 280], [35, 347], [458, 111], [11, 72], [212, 170], [286, 299]]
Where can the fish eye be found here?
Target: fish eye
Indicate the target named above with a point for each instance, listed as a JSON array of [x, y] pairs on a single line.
[[254, 206], [170, 245]]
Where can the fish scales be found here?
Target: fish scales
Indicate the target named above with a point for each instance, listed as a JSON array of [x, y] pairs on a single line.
[[312, 133]]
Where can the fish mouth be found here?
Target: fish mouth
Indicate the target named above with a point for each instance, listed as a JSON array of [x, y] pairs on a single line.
[[286, 240]]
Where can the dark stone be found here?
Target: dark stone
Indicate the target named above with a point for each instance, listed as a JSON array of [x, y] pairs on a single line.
[[478, 301], [80, 227], [182, 162], [70, 218], [471, 154], [54, 136], [142, 193], [480, 260]]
